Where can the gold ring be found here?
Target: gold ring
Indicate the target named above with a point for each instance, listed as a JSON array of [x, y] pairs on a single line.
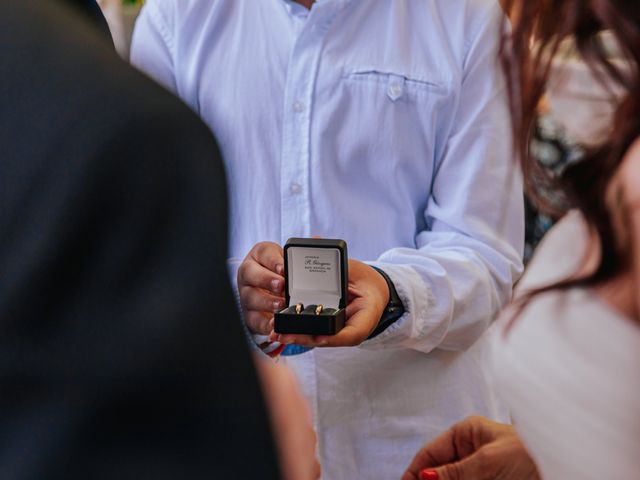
[[319, 309], [299, 308]]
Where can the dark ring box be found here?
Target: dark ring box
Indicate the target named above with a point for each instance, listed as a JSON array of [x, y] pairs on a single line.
[[315, 273]]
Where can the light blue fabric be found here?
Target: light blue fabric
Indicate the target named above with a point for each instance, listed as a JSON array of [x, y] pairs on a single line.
[[291, 350]]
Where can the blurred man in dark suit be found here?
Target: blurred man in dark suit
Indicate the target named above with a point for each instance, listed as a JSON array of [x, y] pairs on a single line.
[[113, 288]]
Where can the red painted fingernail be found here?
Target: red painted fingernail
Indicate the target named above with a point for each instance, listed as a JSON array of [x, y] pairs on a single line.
[[428, 475]]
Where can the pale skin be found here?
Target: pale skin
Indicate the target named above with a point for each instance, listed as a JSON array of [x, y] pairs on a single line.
[[291, 422], [475, 449], [623, 198], [478, 448]]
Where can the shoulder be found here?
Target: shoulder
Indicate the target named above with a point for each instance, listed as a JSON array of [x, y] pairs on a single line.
[[170, 12], [472, 26], [474, 13], [484, 19], [461, 29], [148, 133], [179, 21], [107, 103]]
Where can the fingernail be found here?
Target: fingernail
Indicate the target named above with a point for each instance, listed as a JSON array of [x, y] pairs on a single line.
[[275, 285], [279, 269], [276, 306], [428, 475], [323, 343]]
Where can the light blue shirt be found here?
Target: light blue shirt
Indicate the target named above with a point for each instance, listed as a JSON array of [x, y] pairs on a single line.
[[384, 123]]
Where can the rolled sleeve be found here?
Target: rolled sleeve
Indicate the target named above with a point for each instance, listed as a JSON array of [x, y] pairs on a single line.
[[466, 261]]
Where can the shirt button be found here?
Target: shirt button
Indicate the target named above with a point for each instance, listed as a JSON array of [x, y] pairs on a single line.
[[295, 188], [298, 107], [395, 90]]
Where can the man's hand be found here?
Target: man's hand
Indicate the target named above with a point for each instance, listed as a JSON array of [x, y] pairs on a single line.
[[474, 449], [368, 297], [261, 286]]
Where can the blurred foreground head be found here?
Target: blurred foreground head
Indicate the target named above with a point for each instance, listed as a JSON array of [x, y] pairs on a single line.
[[121, 353]]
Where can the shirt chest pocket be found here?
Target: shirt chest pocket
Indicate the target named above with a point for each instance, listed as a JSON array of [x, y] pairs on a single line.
[[398, 112], [394, 119], [397, 87]]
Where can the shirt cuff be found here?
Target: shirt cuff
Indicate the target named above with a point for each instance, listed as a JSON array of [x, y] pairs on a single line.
[[399, 334]]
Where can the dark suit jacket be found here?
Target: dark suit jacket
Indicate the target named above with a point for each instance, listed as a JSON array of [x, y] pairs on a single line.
[[121, 353], [91, 12]]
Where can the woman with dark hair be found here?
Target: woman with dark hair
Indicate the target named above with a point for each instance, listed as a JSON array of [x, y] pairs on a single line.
[[567, 351]]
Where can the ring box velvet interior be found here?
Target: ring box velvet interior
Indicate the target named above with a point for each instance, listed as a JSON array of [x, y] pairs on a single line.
[[315, 273]]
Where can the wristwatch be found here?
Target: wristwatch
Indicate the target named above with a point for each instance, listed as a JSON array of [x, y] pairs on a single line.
[[394, 309]]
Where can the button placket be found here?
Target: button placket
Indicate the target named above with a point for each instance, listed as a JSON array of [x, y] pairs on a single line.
[[295, 165], [296, 159]]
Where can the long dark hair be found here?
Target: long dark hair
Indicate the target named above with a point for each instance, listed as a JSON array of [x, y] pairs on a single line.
[[529, 46]]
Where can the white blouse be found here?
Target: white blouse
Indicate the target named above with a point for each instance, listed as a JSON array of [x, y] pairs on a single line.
[[570, 371]]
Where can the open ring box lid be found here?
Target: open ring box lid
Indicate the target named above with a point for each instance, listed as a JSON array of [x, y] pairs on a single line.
[[315, 273]]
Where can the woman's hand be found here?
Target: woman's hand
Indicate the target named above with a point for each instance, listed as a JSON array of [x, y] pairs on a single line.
[[474, 449]]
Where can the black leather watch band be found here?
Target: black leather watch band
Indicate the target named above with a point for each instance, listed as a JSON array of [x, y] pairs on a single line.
[[394, 309]]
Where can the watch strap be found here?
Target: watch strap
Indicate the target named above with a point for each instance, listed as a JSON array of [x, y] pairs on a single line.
[[394, 309]]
